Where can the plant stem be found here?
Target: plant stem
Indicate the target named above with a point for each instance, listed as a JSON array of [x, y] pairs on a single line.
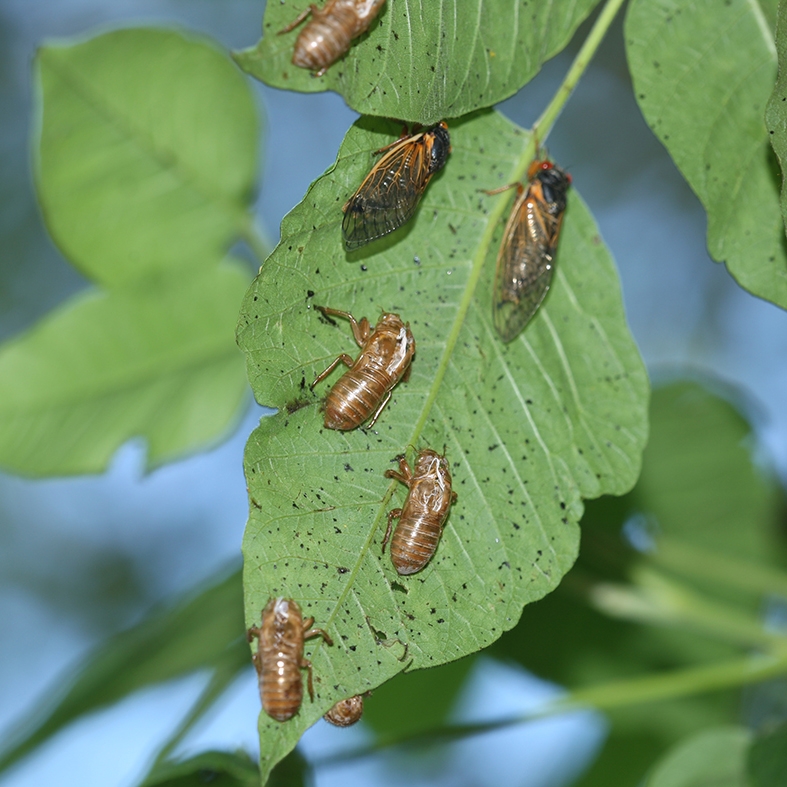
[[607, 696], [690, 561], [659, 600], [256, 239], [543, 125]]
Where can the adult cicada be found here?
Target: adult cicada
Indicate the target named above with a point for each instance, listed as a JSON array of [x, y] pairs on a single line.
[[526, 260], [390, 193]]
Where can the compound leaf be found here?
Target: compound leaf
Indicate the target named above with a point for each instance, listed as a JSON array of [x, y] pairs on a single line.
[[425, 60], [530, 428]]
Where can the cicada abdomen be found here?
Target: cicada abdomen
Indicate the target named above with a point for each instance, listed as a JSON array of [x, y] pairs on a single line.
[[279, 657]]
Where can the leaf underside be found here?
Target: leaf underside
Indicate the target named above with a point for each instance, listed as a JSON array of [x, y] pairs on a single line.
[[702, 75], [529, 428], [425, 60]]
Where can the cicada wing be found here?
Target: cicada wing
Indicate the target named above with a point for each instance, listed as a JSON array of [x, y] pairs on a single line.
[[525, 266], [389, 194]]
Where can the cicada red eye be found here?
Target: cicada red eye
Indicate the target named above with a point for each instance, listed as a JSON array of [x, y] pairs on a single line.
[[389, 195], [329, 33], [525, 262]]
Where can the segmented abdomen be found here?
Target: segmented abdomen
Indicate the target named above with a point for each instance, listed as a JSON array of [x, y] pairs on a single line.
[[325, 38], [281, 687], [414, 541], [354, 398]]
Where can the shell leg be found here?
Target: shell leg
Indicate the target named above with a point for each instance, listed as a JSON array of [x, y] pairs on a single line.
[[252, 633], [360, 329], [395, 514], [298, 19], [307, 665], [380, 409], [491, 192], [405, 475], [343, 358], [309, 632]]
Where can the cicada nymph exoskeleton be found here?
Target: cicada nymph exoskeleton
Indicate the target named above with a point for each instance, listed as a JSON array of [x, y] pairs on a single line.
[[330, 31]]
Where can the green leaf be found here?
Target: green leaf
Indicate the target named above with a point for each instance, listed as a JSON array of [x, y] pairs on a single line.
[[530, 428], [714, 758], [699, 479], [204, 630], [702, 75], [148, 152], [218, 768], [767, 760], [776, 111], [425, 60], [156, 360], [414, 701]]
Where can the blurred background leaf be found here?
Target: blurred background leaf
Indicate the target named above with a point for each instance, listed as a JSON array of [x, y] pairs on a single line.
[[714, 758], [767, 758], [202, 631], [218, 768], [147, 157], [156, 360]]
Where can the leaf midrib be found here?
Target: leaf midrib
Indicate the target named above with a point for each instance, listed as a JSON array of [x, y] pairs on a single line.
[[493, 218]]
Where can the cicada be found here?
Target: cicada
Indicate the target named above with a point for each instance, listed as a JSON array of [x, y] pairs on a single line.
[[330, 31], [279, 657], [425, 510], [525, 262], [390, 193], [365, 388], [346, 712]]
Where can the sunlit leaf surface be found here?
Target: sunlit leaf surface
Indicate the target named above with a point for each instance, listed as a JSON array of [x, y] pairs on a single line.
[[529, 428], [425, 60]]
